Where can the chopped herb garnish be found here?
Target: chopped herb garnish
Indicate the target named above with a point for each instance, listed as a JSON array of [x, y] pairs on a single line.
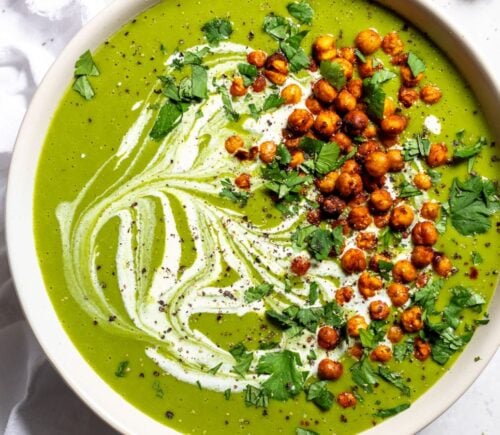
[[403, 350], [464, 151], [476, 258], [248, 72], [333, 73], [295, 54], [158, 390], [417, 146], [325, 155], [217, 30], [85, 65], [258, 292], [313, 293], [363, 375], [302, 431], [462, 297], [381, 76], [435, 175], [231, 114], [121, 369], [256, 397], [385, 413], [318, 241], [199, 78], [83, 87], [302, 12], [227, 394], [272, 101], [230, 192], [243, 359], [283, 156], [408, 190], [168, 118], [319, 394], [373, 335], [277, 27], [214, 369], [360, 55], [395, 379], [416, 64]]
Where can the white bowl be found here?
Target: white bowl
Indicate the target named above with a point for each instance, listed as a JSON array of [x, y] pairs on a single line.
[[28, 278]]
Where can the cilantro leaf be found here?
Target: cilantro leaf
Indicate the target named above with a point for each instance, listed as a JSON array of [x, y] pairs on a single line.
[[256, 397], [313, 293], [407, 190], [462, 297], [295, 54], [272, 101], [373, 335], [242, 357], [285, 184], [385, 413], [427, 296], [217, 30], [319, 394], [83, 87], [374, 97], [214, 369], [168, 118], [248, 72], [464, 151], [333, 73], [403, 350], [472, 203], [199, 78], [318, 241], [395, 379], [302, 11], [381, 76], [283, 156], [229, 192], [277, 27], [417, 146], [85, 65], [231, 114], [363, 375], [258, 292], [325, 155], [286, 380], [416, 64], [476, 258], [360, 55], [121, 369], [302, 431]]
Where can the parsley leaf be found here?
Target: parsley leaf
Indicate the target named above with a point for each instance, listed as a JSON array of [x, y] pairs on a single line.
[[229, 192], [408, 190], [385, 413], [464, 151], [416, 64], [258, 292], [395, 379], [256, 397], [325, 155], [243, 359], [318, 241], [462, 297], [277, 27], [121, 369], [360, 55], [231, 114], [417, 146], [295, 54], [199, 78], [248, 72], [313, 293], [214, 369], [168, 118], [403, 350], [472, 203], [83, 87], [427, 296], [363, 375], [286, 380], [319, 394], [476, 258], [333, 73], [302, 11], [217, 30], [374, 95], [85, 65], [381, 76], [373, 335], [272, 101]]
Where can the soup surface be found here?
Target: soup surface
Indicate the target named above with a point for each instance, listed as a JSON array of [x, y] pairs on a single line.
[[185, 292]]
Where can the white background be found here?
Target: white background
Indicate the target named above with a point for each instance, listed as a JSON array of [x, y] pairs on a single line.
[[33, 399]]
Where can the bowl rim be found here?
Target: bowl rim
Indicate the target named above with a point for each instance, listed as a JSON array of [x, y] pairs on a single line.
[[57, 345]]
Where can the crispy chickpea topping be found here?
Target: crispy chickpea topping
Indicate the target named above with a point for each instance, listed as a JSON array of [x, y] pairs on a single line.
[[393, 124], [401, 217], [382, 353], [346, 400], [430, 94], [395, 334], [291, 94], [348, 184], [347, 53], [407, 96], [442, 265], [297, 159], [396, 162], [356, 350], [243, 181], [422, 181], [422, 349], [346, 67], [233, 144], [430, 210], [333, 206], [359, 218], [267, 151], [259, 83], [313, 105], [366, 241], [330, 370], [355, 87], [355, 122], [300, 265], [377, 164], [327, 183], [237, 88], [257, 58], [422, 256], [353, 260], [411, 319], [368, 41], [398, 294], [408, 79], [379, 310], [324, 91], [424, 233], [328, 338], [324, 48], [354, 324], [368, 284], [381, 200], [345, 101], [300, 121], [343, 295], [404, 271], [392, 44], [438, 155], [327, 122]]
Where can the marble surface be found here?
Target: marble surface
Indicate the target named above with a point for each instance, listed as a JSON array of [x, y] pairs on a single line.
[[33, 398]]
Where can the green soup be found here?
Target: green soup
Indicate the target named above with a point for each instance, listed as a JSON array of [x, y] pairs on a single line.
[[148, 266]]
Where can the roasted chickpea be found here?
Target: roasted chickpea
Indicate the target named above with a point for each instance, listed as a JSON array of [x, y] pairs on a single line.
[[233, 144], [355, 122], [411, 319], [381, 200], [368, 285], [366, 241], [422, 181], [430, 210], [349, 184], [438, 155], [376, 259], [359, 218], [422, 256], [368, 41], [379, 310], [267, 151], [389, 107], [243, 181], [421, 349], [370, 132], [353, 260], [382, 353], [359, 199], [396, 162], [291, 94], [381, 220], [343, 295], [259, 83], [300, 121], [442, 265], [430, 94], [277, 62], [347, 53], [324, 91], [297, 159], [365, 149], [237, 88], [366, 69], [314, 216], [407, 96], [392, 44], [354, 324], [404, 271], [401, 217], [328, 338], [313, 105], [275, 77], [346, 400], [343, 141], [300, 265], [257, 58], [377, 164], [356, 350], [327, 122], [333, 206], [345, 101], [355, 87], [409, 80], [424, 233], [327, 183], [422, 279], [393, 124], [330, 370], [398, 293], [324, 48], [351, 167], [395, 334], [346, 66], [400, 59]]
